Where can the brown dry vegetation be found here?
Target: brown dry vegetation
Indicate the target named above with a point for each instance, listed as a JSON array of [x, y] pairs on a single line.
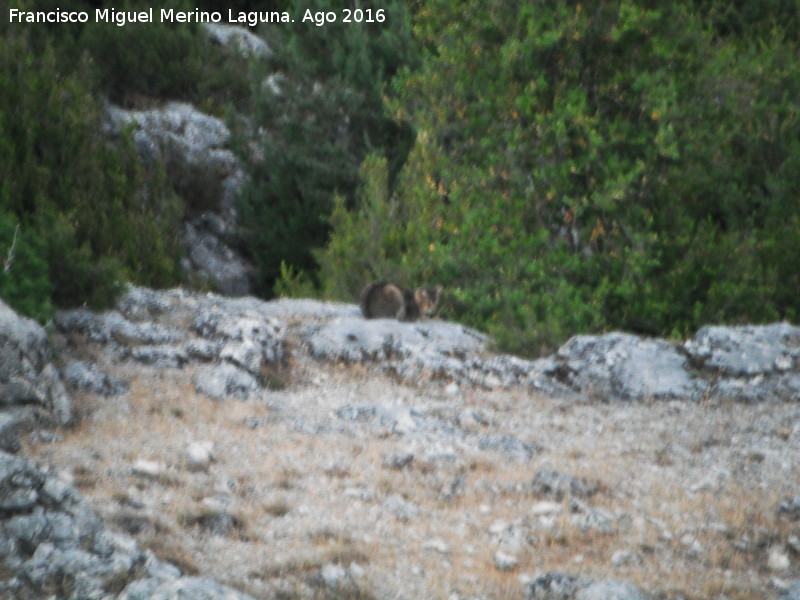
[[692, 489]]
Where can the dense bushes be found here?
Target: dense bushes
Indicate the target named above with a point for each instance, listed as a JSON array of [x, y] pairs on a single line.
[[559, 167], [580, 167], [323, 112], [75, 207], [75, 203], [140, 64]]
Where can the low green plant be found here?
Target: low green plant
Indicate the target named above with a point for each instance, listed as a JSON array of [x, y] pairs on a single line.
[[24, 279]]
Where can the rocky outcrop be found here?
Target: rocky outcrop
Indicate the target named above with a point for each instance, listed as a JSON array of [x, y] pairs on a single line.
[[229, 342], [625, 367], [194, 148], [233, 341], [31, 389], [749, 363], [238, 39], [558, 586], [53, 545]]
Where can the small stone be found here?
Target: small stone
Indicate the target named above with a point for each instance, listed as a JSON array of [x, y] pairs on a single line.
[[505, 562], [398, 460], [9, 434], [791, 508], [625, 557], [402, 509], [778, 559], [553, 586], [199, 456], [437, 545], [148, 468], [356, 571], [794, 544], [498, 527], [332, 575], [546, 508], [560, 485], [611, 590]]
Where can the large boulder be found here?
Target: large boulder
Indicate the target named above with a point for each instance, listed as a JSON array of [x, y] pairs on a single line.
[[31, 390], [619, 366], [229, 342], [750, 363], [238, 39], [52, 545], [195, 150]]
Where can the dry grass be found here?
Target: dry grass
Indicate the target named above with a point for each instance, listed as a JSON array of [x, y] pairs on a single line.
[[294, 510]]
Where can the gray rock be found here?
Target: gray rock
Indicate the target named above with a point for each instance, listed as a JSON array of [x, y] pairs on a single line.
[[760, 388], [237, 38], [508, 445], [248, 339], [221, 381], [594, 519], [52, 541], [195, 150], [625, 367], [611, 590], [161, 356], [51, 538], [790, 508], [553, 586], [505, 562], [9, 433], [749, 363], [87, 377], [333, 576], [202, 349], [19, 484], [210, 258], [556, 485], [793, 593], [402, 509], [398, 460], [30, 387], [186, 588], [143, 304], [423, 350], [112, 327], [746, 350]]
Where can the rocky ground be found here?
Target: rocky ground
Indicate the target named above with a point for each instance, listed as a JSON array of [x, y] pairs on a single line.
[[293, 450]]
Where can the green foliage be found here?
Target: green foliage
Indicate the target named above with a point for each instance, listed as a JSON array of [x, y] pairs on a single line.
[[581, 167], [139, 63], [24, 282], [294, 284], [153, 60], [324, 113], [83, 204]]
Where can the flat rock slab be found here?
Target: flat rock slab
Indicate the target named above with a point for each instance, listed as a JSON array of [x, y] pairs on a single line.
[[626, 367], [355, 339], [747, 351]]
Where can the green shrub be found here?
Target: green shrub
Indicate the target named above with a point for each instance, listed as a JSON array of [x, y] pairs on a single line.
[[24, 279], [145, 61], [85, 203], [324, 117], [583, 167]]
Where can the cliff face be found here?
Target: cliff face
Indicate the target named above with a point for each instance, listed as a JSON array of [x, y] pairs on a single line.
[[220, 447]]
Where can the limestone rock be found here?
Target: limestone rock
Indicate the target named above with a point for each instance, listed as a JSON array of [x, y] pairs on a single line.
[[237, 38], [619, 366], [30, 387]]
